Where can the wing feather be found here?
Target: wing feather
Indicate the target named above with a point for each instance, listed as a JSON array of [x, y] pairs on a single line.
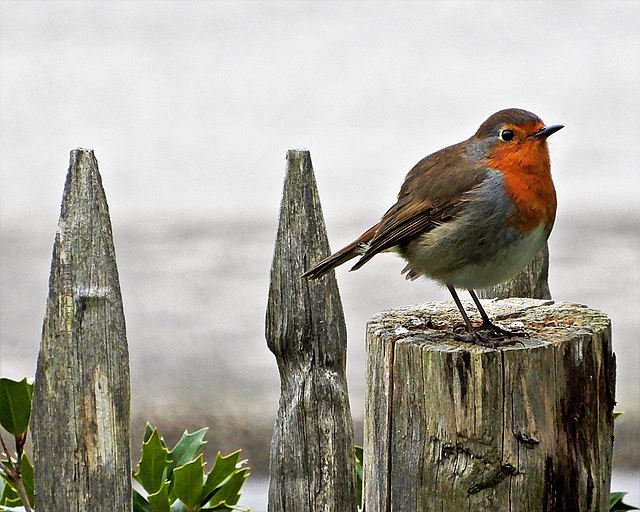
[[433, 192]]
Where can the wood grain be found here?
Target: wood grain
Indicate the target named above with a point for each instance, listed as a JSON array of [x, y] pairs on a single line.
[[312, 462], [458, 427], [80, 419]]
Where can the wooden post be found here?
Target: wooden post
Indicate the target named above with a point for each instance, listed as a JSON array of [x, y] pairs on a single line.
[[80, 418], [312, 464], [457, 427]]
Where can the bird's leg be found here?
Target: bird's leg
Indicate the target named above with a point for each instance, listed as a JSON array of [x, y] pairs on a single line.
[[497, 336], [472, 336], [465, 317], [488, 325]]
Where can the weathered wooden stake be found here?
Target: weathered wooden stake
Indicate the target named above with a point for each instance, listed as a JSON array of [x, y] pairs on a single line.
[[458, 427], [312, 465], [80, 418]]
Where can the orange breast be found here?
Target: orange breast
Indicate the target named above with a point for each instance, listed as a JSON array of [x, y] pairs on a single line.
[[527, 174]]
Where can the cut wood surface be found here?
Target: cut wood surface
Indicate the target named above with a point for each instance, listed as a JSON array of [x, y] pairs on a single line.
[[80, 419], [458, 427]]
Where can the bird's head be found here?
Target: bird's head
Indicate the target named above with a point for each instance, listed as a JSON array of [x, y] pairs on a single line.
[[512, 138]]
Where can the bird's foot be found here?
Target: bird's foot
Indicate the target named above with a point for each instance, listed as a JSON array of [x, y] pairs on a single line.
[[487, 335], [499, 332]]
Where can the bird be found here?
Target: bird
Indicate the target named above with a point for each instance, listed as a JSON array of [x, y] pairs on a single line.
[[469, 216]]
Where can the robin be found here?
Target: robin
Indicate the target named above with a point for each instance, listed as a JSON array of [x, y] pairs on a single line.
[[471, 215]]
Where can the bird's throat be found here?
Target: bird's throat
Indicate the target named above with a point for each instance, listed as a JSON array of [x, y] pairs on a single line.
[[527, 175]]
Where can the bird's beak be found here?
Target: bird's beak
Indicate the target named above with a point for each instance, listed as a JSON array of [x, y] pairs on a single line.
[[546, 131]]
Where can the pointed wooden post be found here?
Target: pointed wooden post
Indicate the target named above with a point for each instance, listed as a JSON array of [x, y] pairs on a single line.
[[312, 464], [80, 418]]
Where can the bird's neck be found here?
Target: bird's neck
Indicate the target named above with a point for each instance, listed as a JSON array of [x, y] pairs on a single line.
[[527, 177]]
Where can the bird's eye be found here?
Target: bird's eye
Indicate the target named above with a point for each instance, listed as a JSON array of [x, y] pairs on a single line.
[[506, 135]]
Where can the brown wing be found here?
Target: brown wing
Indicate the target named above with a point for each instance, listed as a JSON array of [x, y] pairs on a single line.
[[431, 194], [356, 248]]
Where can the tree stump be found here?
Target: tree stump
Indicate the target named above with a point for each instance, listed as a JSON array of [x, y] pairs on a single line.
[[458, 427]]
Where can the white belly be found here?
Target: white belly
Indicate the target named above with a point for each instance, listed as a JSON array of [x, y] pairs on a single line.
[[498, 268]]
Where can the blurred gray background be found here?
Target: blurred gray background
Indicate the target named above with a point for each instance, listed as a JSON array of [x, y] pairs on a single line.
[[190, 108]]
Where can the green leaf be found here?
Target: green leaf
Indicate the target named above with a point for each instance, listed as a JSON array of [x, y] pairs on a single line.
[[148, 430], [154, 462], [229, 493], [140, 504], [616, 504], [617, 414], [359, 459], [186, 449], [10, 496], [178, 506], [223, 468], [187, 483], [159, 501], [222, 508], [26, 468], [15, 405]]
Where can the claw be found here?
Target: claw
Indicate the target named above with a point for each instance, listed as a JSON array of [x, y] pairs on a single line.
[[492, 336], [484, 341], [496, 336]]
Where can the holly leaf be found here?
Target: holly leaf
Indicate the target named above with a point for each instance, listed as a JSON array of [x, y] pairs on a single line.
[[187, 483], [153, 463], [15, 405], [186, 449], [159, 501], [616, 504], [222, 470], [178, 506], [148, 430], [228, 494], [140, 504]]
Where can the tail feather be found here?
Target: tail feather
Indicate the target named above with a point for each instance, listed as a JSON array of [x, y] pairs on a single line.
[[354, 249]]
